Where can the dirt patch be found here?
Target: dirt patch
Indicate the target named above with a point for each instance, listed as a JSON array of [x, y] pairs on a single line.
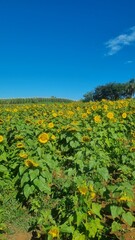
[[130, 235], [18, 236]]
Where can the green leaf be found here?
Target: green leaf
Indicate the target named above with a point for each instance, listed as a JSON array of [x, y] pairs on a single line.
[[116, 211], [93, 227], [22, 169], [66, 229], [47, 175], [128, 218], [96, 209], [3, 156], [74, 144], [80, 217], [107, 142], [104, 173], [116, 226], [3, 169], [27, 190], [24, 179], [42, 185], [78, 236], [80, 163], [39, 151], [33, 173], [133, 173], [39, 184]]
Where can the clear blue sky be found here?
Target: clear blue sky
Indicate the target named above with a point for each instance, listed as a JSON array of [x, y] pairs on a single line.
[[65, 48]]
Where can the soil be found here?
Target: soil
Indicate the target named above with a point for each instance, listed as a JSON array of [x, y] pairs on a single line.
[[18, 236]]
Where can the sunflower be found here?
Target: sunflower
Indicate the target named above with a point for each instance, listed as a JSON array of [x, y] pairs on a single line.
[[84, 115], [97, 119], [1, 138], [110, 115], [54, 114], [20, 145], [43, 138], [132, 149], [30, 163], [54, 232], [23, 155], [125, 198], [53, 137], [83, 189], [50, 125], [85, 139], [124, 115]]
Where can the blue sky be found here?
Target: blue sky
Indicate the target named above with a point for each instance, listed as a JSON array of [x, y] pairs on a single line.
[[65, 48]]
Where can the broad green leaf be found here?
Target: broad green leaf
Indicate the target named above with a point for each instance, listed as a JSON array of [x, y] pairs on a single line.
[[116, 211], [42, 185], [24, 179], [66, 229], [80, 217], [3, 168], [33, 173], [3, 156], [27, 190], [74, 144], [116, 226], [104, 173], [39, 151], [128, 218], [39, 184], [80, 163], [96, 209], [93, 227], [78, 236], [22, 169]]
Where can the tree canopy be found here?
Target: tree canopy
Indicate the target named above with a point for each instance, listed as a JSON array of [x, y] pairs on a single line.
[[111, 91]]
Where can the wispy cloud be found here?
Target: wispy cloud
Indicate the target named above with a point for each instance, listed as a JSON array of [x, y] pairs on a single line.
[[128, 62], [116, 44]]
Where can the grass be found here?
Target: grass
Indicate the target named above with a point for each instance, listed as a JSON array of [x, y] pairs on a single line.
[[13, 215]]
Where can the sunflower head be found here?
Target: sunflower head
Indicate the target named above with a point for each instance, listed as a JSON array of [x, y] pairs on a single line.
[[43, 138]]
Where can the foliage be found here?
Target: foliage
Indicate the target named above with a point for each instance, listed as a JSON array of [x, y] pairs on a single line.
[[34, 100], [111, 91], [71, 165]]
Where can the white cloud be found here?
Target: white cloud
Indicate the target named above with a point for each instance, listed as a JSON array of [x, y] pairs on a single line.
[[128, 62], [116, 44]]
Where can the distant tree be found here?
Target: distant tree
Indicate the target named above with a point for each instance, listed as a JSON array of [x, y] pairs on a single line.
[[88, 97], [111, 91], [130, 88]]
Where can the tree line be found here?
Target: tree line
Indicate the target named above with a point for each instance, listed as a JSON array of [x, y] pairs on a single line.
[[111, 91], [34, 100]]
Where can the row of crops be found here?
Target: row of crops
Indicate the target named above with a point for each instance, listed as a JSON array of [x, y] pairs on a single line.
[[72, 166]]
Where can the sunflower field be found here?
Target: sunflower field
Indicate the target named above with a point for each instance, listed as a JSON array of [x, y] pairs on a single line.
[[72, 166]]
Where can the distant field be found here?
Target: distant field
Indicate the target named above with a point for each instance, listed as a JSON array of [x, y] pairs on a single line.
[[33, 100]]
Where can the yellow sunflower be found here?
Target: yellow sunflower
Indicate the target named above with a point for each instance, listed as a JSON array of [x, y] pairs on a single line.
[[54, 232], [83, 189], [30, 163], [97, 119], [124, 115], [23, 155], [20, 145], [43, 138], [85, 138], [50, 125], [110, 115], [1, 138]]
